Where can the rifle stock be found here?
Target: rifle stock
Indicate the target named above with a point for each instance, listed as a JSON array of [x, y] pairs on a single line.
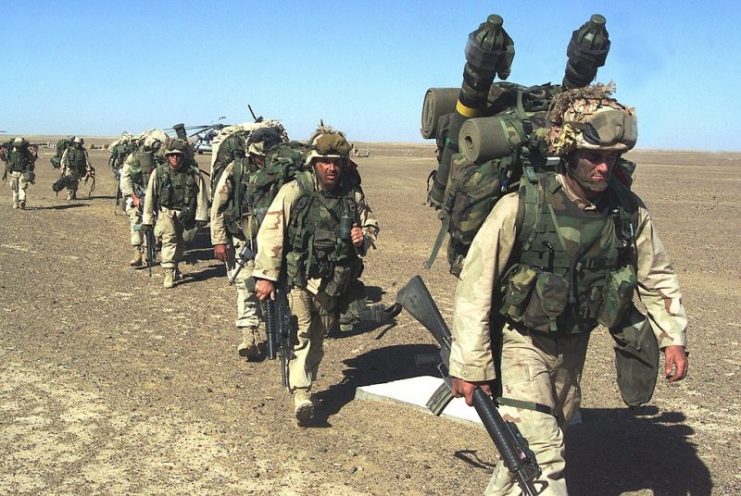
[[512, 446]]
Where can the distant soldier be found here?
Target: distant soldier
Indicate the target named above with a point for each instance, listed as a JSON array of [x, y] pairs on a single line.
[[176, 199], [234, 225], [135, 174], [20, 162], [312, 240], [75, 165]]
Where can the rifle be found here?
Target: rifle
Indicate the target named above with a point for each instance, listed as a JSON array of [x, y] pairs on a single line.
[[512, 446], [119, 193], [278, 323], [245, 255], [148, 233]]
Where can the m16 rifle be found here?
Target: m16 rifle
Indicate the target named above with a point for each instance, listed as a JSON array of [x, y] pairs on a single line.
[[149, 238], [512, 446], [278, 327]]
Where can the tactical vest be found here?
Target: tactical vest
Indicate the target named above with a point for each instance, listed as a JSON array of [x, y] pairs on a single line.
[[571, 268], [77, 162], [18, 161], [318, 241], [178, 190]]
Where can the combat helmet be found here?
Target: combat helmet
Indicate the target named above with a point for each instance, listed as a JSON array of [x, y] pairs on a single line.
[[176, 147], [590, 119], [327, 143], [79, 140], [18, 141]]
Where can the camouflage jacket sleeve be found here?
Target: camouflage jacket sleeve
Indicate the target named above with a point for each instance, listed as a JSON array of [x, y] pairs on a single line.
[[367, 221], [471, 355], [127, 184], [148, 215], [222, 195], [658, 286], [88, 165], [271, 235]]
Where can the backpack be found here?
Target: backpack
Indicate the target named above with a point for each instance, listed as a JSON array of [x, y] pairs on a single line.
[[281, 165], [495, 152]]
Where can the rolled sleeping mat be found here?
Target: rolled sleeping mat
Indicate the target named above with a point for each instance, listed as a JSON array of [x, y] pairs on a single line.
[[437, 102], [486, 138]]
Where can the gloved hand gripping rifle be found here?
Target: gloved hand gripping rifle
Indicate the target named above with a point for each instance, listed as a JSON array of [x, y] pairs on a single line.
[[278, 326], [512, 446]]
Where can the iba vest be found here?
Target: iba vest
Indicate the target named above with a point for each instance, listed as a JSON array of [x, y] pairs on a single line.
[[141, 168], [77, 161], [178, 190], [318, 242], [571, 268]]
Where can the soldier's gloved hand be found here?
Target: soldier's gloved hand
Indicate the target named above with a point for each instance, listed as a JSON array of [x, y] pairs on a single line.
[[220, 252], [145, 228]]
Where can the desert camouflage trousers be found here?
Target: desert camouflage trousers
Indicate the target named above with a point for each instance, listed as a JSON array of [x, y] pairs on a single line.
[[135, 219], [18, 185], [248, 307], [315, 316], [170, 231], [545, 370]]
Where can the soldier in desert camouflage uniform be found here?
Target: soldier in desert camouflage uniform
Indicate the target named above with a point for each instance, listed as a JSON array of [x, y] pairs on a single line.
[[555, 279], [304, 234], [235, 226], [178, 199], [20, 162], [75, 165]]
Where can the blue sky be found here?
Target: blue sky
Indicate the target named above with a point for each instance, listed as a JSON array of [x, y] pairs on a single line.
[[102, 67]]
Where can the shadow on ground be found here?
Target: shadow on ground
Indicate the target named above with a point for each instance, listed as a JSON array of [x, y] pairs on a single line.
[[374, 367], [619, 451]]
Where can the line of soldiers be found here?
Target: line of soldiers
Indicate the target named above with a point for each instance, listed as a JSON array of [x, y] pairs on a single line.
[[284, 216]]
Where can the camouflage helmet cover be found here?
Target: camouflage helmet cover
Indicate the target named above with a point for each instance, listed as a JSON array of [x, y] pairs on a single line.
[[262, 140], [18, 141], [79, 140], [589, 119], [176, 147], [327, 143]]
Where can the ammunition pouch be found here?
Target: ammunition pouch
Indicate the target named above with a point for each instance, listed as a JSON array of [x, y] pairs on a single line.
[[350, 305], [617, 296]]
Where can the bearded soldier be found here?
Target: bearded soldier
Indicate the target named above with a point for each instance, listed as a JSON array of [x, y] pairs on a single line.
[[20, 164], [312, 240], [235, 219], [178, 199], [75, 165], [552, 262]]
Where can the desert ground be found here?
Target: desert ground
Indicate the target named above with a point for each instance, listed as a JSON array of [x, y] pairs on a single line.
[[110, 384]]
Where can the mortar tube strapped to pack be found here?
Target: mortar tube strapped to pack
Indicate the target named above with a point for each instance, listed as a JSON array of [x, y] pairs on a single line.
[[489, 52]]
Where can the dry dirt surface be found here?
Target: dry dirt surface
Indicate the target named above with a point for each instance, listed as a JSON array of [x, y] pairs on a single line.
[[110, 384]]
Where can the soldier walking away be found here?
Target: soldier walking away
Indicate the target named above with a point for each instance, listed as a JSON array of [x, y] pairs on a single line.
[[551, 262], [178, 199], [75, 165], [311, 241], [235, 219], [20, 161]]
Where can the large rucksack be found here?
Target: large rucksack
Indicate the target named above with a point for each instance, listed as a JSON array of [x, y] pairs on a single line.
[[495, 152], [59, 148], [281, 164]]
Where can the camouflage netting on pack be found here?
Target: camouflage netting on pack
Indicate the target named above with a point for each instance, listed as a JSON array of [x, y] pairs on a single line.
[[589, 118]]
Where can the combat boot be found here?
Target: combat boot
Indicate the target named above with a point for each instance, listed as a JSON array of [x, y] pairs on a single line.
[[248, 347], [169, 281], [72, 195], [22, 205], [137, 260], [15, 205], [303, 408]]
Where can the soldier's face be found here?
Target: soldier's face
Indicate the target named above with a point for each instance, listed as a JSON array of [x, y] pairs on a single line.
[[594, 167], [328, 172], [175, 160]]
